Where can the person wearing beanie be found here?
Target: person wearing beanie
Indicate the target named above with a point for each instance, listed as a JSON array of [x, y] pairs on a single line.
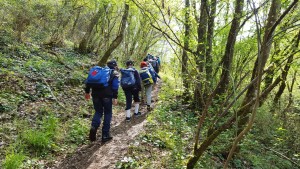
[[144, 64], [147, 82], [103, 99], [151, 70], [112, 64], [131, 85]]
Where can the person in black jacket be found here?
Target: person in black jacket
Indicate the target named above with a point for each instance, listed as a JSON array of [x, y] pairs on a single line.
[[103, 98], [132, 91]]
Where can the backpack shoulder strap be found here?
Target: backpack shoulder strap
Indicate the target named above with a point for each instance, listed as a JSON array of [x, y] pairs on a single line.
[[111, 75]]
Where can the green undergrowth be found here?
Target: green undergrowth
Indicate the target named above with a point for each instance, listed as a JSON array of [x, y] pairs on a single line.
[[168, 138], [42, 108], [43, 112], [36, 144]]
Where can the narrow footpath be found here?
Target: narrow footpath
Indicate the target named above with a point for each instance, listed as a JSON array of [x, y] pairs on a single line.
[[104, 156]]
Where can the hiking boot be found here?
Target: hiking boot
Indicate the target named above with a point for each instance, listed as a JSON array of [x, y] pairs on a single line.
[[137, 114], [149, 108], [128, 118], [92, 135], [106, 138]]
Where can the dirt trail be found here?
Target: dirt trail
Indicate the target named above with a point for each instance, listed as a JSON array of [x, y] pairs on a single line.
[[104, 156]]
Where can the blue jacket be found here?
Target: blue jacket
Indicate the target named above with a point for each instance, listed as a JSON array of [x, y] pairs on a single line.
[[158, 61], [154, 75]]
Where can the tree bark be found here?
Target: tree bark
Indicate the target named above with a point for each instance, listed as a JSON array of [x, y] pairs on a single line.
[[201, 50], [75, 22], [257, 94], [205, 144], [84, 42], [184, 68], [210, 34], [20, 24], [270, 74], [117, 40], [137, 37], [229, 50], [285, 71], [58, 35], [266, 47], [106, 30]]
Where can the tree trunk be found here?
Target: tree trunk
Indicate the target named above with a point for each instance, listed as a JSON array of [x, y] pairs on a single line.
[[205, 144], [270, 74], [118, 39], [201, 50], [266, 47], [20, 25], [84, 42], [240, 136], [136, 39], [184, 68], [229, 50], [290, 102], [58, 35], [210, 34], [285, 71], [107, 26], [75, 23]]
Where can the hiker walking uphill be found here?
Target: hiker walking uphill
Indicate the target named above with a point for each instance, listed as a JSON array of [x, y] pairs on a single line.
[[104, 83], [152, 72], [158, 61], [155, 63], [148, 77], [131, 84]]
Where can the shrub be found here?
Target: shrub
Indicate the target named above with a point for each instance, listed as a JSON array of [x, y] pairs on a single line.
[[36, 140], [13, 160], [42, 139]]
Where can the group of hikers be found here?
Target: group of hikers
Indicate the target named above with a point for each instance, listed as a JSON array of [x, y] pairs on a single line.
[[104, 82]]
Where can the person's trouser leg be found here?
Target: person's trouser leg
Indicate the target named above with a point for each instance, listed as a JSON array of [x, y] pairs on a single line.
[[97, 102], [148, 94], [107, 104], [96, 121], [136, 108], [128, 95], [136, 96], [143, 94], [137, 101]]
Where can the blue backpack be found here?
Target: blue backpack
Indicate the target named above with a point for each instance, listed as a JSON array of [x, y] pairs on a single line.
[[98, 77], [146, 77], [127, 78], [154, 63]]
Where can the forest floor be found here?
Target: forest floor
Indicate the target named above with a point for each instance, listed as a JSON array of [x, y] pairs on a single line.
[[97, 155]]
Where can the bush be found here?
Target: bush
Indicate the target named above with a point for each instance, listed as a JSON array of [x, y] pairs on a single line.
[[38, 141], [42, 139], [14, 156], [13, 160]]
